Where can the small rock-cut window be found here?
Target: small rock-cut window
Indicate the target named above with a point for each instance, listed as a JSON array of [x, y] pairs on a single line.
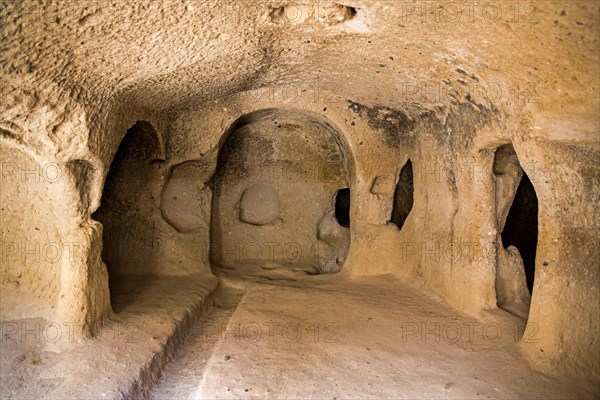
[[403, 196], [342, 207]]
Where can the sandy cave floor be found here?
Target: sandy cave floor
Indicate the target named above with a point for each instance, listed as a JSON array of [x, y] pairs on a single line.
[[316, 337], [322, 338]]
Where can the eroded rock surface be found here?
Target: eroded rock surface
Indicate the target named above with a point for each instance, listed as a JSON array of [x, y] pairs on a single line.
[[334, 242], [259, 205], [186, 197]]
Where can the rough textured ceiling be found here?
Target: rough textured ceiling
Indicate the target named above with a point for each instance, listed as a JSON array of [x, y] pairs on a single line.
[[170, 54]]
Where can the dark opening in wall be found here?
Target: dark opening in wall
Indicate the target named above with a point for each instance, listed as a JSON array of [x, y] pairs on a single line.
[[345, 13], [521, 228], [342, 207], [326, 13], [403, 196], [126, 212]]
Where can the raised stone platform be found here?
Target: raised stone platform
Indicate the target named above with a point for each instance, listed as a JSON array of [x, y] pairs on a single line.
[[48, 359]]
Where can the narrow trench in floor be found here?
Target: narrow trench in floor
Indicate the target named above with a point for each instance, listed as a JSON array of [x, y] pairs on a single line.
[[183, 376]]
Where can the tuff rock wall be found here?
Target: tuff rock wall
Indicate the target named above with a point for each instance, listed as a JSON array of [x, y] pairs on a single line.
[[443, 84]]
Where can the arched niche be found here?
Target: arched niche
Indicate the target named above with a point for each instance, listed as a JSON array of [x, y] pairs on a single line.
[[517, 227], [275, 189], [129, 208]]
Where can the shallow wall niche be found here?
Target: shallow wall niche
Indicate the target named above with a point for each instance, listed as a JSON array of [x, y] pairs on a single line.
[[274, 195], [516, 212], [129, 205], [403, 196]]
